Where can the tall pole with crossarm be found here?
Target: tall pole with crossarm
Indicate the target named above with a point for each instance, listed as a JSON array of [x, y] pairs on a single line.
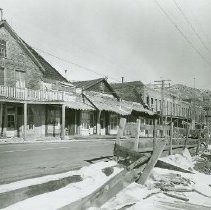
[[162, 83]]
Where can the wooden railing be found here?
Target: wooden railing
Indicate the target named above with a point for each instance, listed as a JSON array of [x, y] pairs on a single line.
[[34, 95]]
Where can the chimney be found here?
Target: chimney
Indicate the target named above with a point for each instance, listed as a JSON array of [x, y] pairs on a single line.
[[122, 79]]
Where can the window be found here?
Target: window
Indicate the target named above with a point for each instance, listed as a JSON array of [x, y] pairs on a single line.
[[102, 89], [156, 105], [147, 100], [11, 121], [2, 48], [160, 105], [20, 79], [1, 76]]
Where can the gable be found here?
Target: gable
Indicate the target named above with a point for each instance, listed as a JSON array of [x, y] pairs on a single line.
[[18, 61], [30, 54], [101, 87], [97, 85]]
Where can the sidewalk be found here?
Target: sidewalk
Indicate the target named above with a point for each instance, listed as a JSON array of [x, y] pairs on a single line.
[[16, 140]]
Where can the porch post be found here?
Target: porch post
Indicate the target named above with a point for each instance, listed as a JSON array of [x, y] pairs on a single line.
[[63, 123], [25, 121], [1, 118], [5, 120], [75, 123], [98, 122]]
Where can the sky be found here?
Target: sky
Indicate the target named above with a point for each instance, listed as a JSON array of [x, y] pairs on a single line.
[[143, 40]]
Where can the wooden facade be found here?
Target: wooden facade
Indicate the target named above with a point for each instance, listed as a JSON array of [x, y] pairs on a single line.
[[36, 101]]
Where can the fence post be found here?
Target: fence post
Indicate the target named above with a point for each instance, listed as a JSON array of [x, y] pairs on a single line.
[[121, 128], [199, 140], [171, 137], [138, 123], [155, 121]]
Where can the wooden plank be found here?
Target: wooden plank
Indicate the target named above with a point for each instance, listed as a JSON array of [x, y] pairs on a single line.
[[140, 161], [167, 147], [121, 128], [153, 160], [120, 151], [106, 191], [138, 122], [151, 127]]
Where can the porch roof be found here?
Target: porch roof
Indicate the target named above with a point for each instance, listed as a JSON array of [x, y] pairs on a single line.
[[105, 103], [80, 103], [139, 108], [134, 106]]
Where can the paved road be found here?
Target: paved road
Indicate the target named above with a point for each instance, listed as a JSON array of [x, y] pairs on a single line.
[[21, 161]]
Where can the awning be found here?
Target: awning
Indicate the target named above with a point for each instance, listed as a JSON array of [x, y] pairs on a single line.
[[79, 104], [139, 108], [134, 106], [105, 103]]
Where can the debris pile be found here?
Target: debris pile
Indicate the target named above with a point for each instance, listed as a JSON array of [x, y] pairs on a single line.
[[173, 182], [203, 165]]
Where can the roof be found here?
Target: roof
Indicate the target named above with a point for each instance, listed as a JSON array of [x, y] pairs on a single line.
[[137, 107], [105, 103], [111, 104], [129, 91], [86, 84], [48, 71], [80, 104]]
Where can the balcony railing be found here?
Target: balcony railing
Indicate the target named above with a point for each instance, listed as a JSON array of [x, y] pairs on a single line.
[[34, 95]]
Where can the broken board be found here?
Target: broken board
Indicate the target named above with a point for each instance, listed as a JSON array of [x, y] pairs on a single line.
[[153, 160]]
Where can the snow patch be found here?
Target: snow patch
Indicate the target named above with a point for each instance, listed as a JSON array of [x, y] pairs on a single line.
[[93, 177]]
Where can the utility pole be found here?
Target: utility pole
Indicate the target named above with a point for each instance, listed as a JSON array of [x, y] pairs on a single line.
[[162, 83]]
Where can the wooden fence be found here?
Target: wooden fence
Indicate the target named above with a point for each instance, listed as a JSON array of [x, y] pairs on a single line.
[[134, 140]]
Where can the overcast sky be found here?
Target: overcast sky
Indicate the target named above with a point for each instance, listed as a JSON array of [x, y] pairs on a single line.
[[129, 38]]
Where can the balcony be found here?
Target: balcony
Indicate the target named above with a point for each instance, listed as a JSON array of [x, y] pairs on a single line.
[[24, 94]]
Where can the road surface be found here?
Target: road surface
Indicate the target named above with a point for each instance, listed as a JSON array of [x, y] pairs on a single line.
[[22, 161]]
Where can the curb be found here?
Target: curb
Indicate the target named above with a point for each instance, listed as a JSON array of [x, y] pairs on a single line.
[[56, 141]]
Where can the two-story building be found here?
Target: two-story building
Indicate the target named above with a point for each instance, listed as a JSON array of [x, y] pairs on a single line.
[[36, 101]]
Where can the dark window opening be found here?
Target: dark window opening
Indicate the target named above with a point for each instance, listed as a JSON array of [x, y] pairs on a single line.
[[3, 49]]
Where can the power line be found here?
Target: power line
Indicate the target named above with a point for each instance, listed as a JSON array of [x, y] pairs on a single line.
[[181, 32], [76, 64], [191, 25]]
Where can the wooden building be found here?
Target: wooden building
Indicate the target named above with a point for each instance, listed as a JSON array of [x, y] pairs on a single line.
[[36, 101]]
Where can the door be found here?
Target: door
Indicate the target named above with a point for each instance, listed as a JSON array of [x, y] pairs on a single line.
[[11, 121]]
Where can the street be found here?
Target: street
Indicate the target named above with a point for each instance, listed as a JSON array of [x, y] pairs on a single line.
[[22, 161]]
